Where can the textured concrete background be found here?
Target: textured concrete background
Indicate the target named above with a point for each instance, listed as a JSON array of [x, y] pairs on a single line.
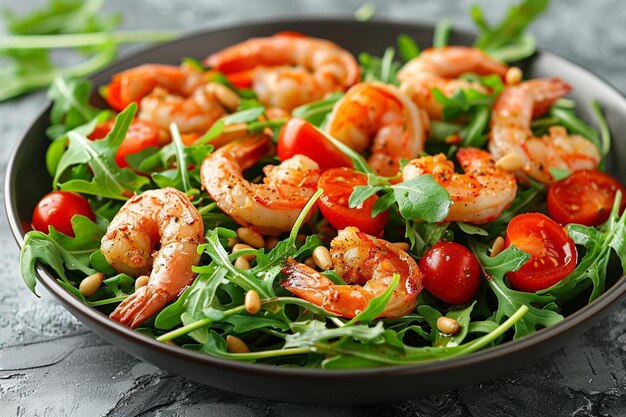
[[50, 365]]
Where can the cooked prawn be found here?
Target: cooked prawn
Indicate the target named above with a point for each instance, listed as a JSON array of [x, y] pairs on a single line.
[[167, 94], [271, 207], [378, 116], [440, 68], [366, 262], [163, 219], [479, 195], [511, 133], [288, 71]]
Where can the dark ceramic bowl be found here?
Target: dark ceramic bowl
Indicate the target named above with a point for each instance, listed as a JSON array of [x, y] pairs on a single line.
[[27, 181]]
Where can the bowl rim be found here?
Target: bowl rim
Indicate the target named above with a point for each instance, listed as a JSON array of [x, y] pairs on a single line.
[[608, 297]]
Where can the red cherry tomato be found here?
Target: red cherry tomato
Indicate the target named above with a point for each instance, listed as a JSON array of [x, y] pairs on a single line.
[[298, 136], [140, 135], [338, 184], [585, 197], [57, 209], [451, 272], [553, 252], [241, 79]]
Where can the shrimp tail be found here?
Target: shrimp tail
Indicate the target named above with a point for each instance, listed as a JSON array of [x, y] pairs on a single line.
[[545, 92], [145, 302]]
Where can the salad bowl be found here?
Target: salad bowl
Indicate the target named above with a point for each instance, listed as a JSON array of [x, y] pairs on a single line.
[[27, 180]]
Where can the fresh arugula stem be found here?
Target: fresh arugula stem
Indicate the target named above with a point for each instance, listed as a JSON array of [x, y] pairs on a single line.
[[180, 156], [181, 331], [490, 337], [442, 33], [305, 211], [84, 39], [106, 301], [605, 133], [267, 353]]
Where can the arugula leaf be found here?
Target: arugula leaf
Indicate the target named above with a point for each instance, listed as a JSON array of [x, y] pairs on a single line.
[[384, 69], [70, 107], [309, 333], [192, 302], [510, 30], [62, 24], [424, 235], [422, 198], [40, 248], [108, 180], [407, 47], [472, 229], [509, 301], [593, 267], [86, 241], [316, 112]]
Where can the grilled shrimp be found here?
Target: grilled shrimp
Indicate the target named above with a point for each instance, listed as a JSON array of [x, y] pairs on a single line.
[[163, 219], [286, 70], [366, 262], [378, 116], [440, 68], [511, 133], [479, 195], [271, 207], [167, 94]]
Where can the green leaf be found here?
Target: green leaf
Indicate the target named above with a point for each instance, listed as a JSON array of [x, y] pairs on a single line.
[[510, 301], [360, 164], [70, 107], [362, 193], [316, 112], [559, 173], [309, 333], [40, 248], [245, 116], [245, 324], [407, 47], [511, 27], [422, 198], [109, 181], [365, 12], [471, 229], [86, 241]]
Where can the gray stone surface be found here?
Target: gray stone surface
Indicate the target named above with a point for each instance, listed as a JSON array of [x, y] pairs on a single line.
[[50, 365]]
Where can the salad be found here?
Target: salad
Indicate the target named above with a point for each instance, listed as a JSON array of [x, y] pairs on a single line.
[[285, 202]]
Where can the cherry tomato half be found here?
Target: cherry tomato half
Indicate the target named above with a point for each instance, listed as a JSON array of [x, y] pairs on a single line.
[[140, 135], [451, 272], [338, 184], [585, 197], [553, 252], [298, 136], [57, 209]]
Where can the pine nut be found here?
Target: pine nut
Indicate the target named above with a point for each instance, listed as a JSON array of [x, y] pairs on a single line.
[[402, 246], [252, 302], [250, 237], [271, 242], [90, 284], [243, 246], [236, 345], [322, 259], [232, 241], [497, 246], [510, 162], [513, 76], [448, 326], [227, 97], [242, 263], [142, 281], [308, 261]]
